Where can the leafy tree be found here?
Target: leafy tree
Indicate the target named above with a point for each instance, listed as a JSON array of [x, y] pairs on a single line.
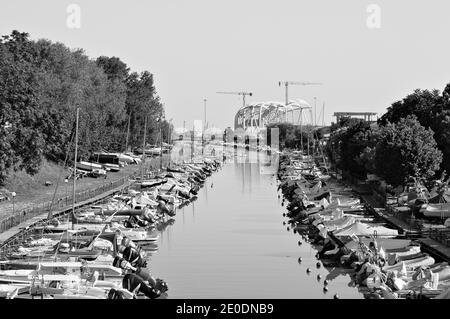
[[431, 109], [406, 149], [345, 121], [294, 136], [424, 104], [43, 83], [114, 68], [142, 101], [351, 146], [21, 139]]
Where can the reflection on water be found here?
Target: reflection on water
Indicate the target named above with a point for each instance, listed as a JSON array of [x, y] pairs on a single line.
[[231, 243]]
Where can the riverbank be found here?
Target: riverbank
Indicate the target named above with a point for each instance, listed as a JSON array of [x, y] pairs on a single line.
[[387, 259], [144, 210], [13, 232], [406, 226], [36, 193]]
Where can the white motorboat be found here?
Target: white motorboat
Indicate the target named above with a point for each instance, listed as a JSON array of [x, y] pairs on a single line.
[[436, 210]]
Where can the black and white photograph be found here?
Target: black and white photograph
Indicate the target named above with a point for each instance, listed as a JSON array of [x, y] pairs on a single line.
[[224, 156]]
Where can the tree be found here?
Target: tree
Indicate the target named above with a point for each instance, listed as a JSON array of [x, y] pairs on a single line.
[[345, 121], [43, 83], [22, 141], [292, 136], [424, 104], [114, 68], [406, 149], [351, 146], [141, 101], [432, 110]]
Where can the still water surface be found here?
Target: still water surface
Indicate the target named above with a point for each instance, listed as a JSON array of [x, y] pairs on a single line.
[[231, 242]]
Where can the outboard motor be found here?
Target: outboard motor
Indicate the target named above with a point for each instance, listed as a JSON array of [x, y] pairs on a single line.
[[121, 263], [116, 294], [134, 283], [328, 245], [194, 189], [127, 242], [131, 222], [157, 283], [147, 216], [163, 209], [184, 194], [133, 256], [324, 195]]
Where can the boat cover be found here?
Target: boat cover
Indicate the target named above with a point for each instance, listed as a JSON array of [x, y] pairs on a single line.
[[362, 229]]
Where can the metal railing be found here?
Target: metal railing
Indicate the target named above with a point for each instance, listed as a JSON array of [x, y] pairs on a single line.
[[28, 213]]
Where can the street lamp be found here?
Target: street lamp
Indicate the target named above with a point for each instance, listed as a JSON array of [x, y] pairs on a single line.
[[315, 114], [204, 126], [66, 181], [159, 121], [13, 194], [169, 139]]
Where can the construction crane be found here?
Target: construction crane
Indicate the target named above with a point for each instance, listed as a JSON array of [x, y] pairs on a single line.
[[286, 85], [238, 93], [244, 94]]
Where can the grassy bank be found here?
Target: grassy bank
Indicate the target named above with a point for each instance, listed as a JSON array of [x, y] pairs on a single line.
[[31, 190]]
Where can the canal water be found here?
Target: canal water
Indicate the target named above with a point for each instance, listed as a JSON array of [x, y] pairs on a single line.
[[231, 242]]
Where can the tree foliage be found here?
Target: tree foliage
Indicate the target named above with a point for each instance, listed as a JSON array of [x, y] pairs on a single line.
[[351, 146], [43, 83], [294, 136], [21, 139], [406, 149], [432, 110]]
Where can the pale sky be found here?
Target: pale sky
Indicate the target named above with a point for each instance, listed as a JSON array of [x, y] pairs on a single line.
[[197, 47]]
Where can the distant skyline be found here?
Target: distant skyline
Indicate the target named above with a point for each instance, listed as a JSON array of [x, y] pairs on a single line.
[[198, 47]]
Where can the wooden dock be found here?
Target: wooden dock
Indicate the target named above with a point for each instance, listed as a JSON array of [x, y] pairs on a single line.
[[435, 248], [429, 245], [405, 228]]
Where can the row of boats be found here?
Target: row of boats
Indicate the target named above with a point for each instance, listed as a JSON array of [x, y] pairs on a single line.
[[101, 251], [382, 263], [423, 203], [102, 163]]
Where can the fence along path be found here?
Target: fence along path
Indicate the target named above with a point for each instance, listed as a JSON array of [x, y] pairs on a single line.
[[66, 201], [15, 234]]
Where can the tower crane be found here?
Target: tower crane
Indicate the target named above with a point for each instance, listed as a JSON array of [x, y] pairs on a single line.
[[238, 93], [286, 85], [244, 94]]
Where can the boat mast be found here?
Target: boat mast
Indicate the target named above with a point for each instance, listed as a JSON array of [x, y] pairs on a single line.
[[143, 149], [128, 133], [169, 141], [160, 146], [192, 143], [75, 165]]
